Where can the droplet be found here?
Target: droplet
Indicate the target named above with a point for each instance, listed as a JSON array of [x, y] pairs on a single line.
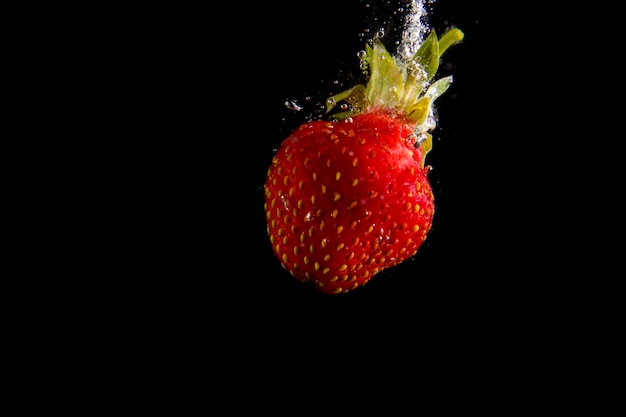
[[293, 105], [416, 139], [419, 139]]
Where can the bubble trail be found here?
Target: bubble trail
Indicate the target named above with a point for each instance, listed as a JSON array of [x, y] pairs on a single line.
[[415, 29]]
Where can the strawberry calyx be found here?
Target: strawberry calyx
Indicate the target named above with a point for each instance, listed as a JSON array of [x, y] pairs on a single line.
[[408, 90]]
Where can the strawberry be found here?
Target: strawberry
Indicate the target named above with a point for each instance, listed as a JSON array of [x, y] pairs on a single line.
[[348, 196]]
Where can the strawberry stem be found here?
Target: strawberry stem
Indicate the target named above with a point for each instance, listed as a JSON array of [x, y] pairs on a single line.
[[406, 89]]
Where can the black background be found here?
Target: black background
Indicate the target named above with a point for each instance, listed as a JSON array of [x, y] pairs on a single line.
[[206, 90], [169, 292], [210, 102], [306, 57]]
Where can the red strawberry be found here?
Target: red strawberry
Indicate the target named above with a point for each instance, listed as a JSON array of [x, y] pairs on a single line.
[[348, 197]]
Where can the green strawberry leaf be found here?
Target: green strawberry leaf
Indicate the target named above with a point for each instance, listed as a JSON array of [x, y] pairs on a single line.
[[450, 38], [355, 98], [426, 146], [439, 87], [427, 56], [385, 81], [391, 87], [418, 112]]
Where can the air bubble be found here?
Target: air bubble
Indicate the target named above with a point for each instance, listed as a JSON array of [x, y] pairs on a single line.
[[293, 105], [420, 138], [416, 139]]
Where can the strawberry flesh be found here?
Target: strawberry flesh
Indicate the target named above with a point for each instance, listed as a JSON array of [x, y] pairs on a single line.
[[347, 199]]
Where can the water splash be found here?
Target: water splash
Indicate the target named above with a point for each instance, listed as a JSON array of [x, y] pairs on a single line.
[[416, 28], [293, 105]]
